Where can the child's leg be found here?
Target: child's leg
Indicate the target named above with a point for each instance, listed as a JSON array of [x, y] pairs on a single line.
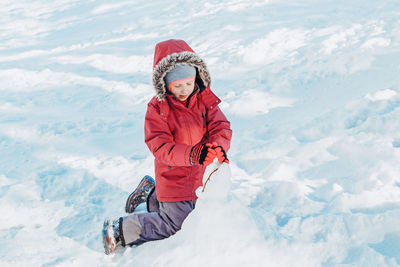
[[152, 202], [143, 227]]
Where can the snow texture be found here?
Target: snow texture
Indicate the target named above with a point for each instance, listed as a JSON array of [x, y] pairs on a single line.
[[312, 89]]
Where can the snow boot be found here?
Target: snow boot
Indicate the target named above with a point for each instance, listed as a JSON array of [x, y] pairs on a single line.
[[111, 236], [141, 193]]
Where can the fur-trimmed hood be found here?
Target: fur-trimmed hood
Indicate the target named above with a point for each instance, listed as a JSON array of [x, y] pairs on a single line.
[[169, 53]]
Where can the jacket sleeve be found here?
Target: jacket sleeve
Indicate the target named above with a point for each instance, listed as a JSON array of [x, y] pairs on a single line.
[[160, 140], [218, 128]]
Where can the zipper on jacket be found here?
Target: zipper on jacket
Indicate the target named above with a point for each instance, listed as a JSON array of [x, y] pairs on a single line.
[[187, 126]]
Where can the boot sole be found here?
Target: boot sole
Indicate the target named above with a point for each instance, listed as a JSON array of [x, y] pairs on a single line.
[[109, 248]]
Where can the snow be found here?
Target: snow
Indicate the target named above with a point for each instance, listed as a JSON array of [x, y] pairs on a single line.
[[312, 91]]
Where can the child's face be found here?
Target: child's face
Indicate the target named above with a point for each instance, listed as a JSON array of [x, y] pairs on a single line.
[[182, 90]]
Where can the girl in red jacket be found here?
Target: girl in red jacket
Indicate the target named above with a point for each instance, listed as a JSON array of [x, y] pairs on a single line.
[[185, 130]]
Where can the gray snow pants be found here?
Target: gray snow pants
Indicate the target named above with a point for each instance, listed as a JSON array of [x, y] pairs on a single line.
[[162, 220]]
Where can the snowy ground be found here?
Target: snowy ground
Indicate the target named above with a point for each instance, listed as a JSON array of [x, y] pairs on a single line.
[[313, 92]]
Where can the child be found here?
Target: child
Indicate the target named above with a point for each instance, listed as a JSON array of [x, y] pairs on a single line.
[[185, 130]]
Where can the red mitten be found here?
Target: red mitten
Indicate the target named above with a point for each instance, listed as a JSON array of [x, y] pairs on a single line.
[[221, 155], [202, 154]]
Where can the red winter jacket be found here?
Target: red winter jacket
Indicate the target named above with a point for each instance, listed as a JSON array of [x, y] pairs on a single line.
[[172, 129]]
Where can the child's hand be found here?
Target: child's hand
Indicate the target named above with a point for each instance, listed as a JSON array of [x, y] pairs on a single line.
[[221, 155], [202, 154]]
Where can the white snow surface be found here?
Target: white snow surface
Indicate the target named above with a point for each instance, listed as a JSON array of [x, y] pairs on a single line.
[[312, 89]]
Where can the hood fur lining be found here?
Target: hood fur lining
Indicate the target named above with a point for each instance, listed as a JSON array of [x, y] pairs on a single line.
[[169, 62]]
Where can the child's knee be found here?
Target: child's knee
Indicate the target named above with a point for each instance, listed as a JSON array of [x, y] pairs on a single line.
[[174, 213]]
